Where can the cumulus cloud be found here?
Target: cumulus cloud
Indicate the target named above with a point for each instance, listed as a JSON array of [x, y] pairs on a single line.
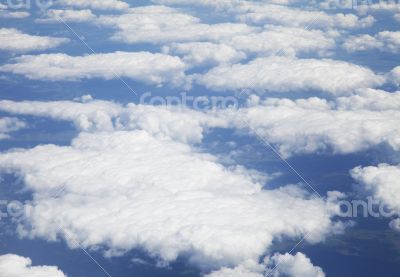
[[141, 66], [284, 74], [395, 75], [16, 266], [298, 265], [285, 41], [95, 4], [315, 125], [67, 16], [164, 24], [8, 125], [261, 13], [17, 41], [383, 41], [203, 53], [127, 189], [178, 123], [382, 182]]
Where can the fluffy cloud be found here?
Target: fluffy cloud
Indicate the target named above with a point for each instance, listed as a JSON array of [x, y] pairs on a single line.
[[142, 66], [284, 40], [16, 41], [9, 124], [277, 265], [127, 189], [261, 13], [164, 24], [67, 16], [283, 74], [178, 123], [395, 75], [316, 125], [203, 53], [95, 4], [382, 182], [16, 266], [298, 265], [384, 41]]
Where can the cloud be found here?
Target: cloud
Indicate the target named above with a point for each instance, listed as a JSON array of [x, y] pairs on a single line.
[[16, 266], [52, 16], [285, 74], [395, 75], [204, 53], [384, 41], [179, 123], [124, 190], [298, 265], [141, 66], [6, 13], [164, 24], [95, 4], [8, 125], [382, 182], [315, 125], [261, 13], [16, 41], [284, 40]]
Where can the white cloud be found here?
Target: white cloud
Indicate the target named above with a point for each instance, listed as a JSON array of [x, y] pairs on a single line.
[[7, 13], [395, 75], [283, 74], [203, 53], [284, 40], [246, 269], [315, 125], [382, 182], [124, 190], [164, 24], [261, 13], [178, 123], [384, 41], [67, 16], [141, 66], [95, 4], [16, 266], [397, 17], [298, 265], [8, 125], [16, 41]]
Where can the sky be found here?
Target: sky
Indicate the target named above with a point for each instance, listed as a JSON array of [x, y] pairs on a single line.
[[224, 138]]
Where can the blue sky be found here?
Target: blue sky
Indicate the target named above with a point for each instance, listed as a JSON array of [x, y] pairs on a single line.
[[199, 138]]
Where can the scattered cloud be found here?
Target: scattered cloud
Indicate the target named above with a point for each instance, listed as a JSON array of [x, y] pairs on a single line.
[[16, 41], [284, 74], [141, 66], [16, 266], [298, 265], [190, 206], [52, 16], [95, 4], [384, 41], [382, 182], [8, 125]]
